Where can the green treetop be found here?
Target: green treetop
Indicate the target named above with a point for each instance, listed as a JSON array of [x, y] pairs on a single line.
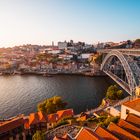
[[51, 105], [98, 59], [137, 41], [38, 136], [114, 93]]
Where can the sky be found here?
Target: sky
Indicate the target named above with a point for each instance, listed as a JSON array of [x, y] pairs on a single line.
[[43, 21]]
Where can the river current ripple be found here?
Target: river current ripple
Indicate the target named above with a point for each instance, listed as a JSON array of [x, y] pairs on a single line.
[[21, 93]]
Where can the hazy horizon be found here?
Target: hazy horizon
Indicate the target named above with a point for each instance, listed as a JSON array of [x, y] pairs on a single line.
[[41, 22]]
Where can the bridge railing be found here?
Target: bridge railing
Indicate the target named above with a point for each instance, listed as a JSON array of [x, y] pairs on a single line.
[[126, 66], [134, 52], [119, 81], [135, 68]]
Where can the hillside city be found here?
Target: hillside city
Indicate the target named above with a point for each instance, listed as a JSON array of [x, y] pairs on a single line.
[[117, 118], [66, 57], [69, 70]]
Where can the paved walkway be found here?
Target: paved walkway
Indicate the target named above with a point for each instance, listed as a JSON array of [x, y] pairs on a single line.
[[103, 107]]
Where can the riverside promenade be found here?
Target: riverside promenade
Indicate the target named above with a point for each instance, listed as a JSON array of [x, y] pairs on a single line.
[[101, 108]]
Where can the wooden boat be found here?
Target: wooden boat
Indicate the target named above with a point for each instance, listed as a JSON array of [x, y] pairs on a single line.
[[47, 75]]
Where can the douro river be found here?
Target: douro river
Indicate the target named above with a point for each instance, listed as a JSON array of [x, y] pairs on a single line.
[[20, 94]]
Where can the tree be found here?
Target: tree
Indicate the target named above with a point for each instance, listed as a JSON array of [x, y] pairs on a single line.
[[41, 57], [114, 93], [137, 41], [51, 105], [55, 60], [107, 121], [120, 94], [38, 136], [98, 59]]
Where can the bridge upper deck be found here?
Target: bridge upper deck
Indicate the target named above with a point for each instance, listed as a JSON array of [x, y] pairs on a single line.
[[133, 52]]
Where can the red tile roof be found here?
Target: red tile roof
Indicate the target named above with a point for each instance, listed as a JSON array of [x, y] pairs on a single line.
[[129, 127], [104, 133], [65, 137], [133, 119], [37, 117], [26, 123], [121, 133], [11, 124], [42, 116], [33, 118], [59, 115], [134, 104], [65, 113], [58, 138], [87, 134], [52, 118]]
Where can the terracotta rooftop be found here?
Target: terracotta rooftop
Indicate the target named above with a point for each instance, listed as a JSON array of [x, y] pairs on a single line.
[[104, 133], [134, 104], [133, 119], [52, 118], [87, 134], [121, 133], [37, 117], [26, 123], [42, 116], [130, 128], [65, 137], [63, 113], [33, 118], [11, 124], [58, 138]]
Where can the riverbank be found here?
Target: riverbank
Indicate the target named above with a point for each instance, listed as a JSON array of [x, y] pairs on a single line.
[[48, 74]]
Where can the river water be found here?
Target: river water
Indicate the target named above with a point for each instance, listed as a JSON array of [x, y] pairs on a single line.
[[21, 93]]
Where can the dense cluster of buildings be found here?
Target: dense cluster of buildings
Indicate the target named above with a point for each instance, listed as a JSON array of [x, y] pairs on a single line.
[[23, 127], [65, 57], [127, 128]]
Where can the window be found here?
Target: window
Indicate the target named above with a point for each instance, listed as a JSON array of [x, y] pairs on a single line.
[[127, 111]]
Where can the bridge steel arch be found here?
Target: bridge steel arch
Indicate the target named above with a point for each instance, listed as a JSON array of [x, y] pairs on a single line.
[[129, 74]]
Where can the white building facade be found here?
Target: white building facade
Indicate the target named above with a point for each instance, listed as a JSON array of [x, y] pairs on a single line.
[[130, 107]]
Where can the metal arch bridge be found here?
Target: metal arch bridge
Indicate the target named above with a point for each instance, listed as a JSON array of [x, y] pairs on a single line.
[[131, 69]]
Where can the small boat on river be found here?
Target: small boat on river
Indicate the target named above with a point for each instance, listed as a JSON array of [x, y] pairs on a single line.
[[47, 75]]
